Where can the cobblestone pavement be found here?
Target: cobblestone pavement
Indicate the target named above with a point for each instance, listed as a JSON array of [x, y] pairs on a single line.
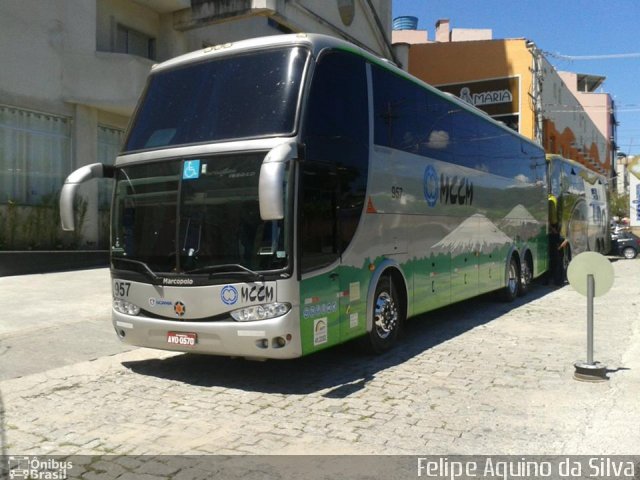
[[476, 378]]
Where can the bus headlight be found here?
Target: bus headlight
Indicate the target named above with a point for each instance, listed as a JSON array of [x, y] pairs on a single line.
[[260, 312], [125, 307]]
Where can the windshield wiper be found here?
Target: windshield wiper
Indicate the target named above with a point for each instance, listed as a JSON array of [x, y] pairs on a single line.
[[144, 270], [226, 269]]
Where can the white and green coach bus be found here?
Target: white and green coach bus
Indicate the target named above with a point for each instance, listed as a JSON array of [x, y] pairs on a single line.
[[278, 196], [579, 196]]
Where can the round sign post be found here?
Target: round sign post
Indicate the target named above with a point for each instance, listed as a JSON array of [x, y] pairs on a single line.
[[591, 274]]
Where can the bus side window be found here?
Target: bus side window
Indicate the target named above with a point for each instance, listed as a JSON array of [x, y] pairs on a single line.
[[318, 216], [336, 137]]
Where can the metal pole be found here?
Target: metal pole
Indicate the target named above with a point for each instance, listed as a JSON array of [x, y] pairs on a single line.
[[591, 287]]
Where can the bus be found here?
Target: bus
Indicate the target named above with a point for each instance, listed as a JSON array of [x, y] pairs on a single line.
[[579, 207], [278, 196]]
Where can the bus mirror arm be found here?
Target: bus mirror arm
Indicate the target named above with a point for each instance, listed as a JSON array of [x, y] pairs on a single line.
[[68, 193], [271, 182]]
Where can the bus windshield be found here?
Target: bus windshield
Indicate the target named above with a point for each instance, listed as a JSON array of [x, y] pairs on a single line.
[[244, 96], [195, 216]]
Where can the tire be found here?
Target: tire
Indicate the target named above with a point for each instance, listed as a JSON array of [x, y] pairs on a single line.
[[629, 253], [526, 276], [512, 281], [388, 317], [566, 260]]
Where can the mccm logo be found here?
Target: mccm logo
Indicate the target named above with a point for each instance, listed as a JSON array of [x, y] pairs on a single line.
[[431, 185], [229, 295]]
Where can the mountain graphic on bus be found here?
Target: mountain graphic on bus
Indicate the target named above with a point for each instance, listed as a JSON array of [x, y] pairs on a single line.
[[476, 233], [518, 217], [520, 223]]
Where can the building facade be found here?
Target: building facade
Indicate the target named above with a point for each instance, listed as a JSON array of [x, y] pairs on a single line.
[[632, 177], [74, 69]]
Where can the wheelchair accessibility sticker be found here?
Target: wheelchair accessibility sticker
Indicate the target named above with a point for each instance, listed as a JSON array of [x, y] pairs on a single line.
[[191, 170]]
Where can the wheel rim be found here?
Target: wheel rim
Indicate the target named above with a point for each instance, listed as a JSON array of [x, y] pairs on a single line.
[[385, 315], [526, 275], [629, 253], [512, 281]]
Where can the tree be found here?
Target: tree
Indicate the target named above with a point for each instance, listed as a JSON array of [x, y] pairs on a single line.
[[619, 206]]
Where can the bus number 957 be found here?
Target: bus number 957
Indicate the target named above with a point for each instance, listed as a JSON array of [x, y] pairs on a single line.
[[121, 289], [396, 192]]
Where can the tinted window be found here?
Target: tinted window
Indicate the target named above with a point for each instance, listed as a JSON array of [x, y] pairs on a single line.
[[318, 222], [336, 128], [144, 214], [336, 135], [190, 215], [250, 95], [412, 118]]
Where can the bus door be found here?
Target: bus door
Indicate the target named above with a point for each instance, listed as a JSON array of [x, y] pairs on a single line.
[[333, 176], [320, 284]]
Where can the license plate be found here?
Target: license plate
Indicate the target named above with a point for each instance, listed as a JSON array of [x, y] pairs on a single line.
[[182, 339]]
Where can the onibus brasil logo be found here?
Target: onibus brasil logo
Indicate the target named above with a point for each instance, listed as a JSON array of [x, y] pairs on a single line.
[[25, 467]]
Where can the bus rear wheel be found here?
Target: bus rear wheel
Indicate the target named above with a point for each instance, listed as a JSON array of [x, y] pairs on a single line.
[[512, 281], [566, 260], [526, 276], [387, 320]]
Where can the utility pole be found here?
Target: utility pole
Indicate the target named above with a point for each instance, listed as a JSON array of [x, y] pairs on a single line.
[[536, 91]]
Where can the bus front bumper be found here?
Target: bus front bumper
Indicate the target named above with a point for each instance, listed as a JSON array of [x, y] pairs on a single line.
[[277, 338]]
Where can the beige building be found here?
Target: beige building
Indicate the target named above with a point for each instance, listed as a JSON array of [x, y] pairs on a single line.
[[74, 69]]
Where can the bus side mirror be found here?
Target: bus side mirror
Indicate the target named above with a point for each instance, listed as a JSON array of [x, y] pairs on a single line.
[[68, 193], [271, 182]]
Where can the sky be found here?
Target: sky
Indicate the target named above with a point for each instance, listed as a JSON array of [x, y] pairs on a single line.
[[606, 29]]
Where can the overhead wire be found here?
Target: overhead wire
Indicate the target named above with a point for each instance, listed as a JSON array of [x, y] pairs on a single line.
[[572, 58]]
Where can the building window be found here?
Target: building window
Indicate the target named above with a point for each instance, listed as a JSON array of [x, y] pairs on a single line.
[[134, 42], [35, 155]]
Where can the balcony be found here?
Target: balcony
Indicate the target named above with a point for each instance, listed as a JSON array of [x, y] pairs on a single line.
[[164, 6]]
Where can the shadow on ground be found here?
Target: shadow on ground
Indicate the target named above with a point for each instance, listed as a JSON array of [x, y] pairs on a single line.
[[344, 369]]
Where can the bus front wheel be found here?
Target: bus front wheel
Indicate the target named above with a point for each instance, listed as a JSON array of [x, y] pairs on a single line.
[[387, 312]]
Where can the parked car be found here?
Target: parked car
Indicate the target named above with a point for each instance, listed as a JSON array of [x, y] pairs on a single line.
[[625, 244], [616, 228]]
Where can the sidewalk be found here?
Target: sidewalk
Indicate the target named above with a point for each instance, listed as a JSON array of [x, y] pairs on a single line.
[[475, 378], [55, 319]]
